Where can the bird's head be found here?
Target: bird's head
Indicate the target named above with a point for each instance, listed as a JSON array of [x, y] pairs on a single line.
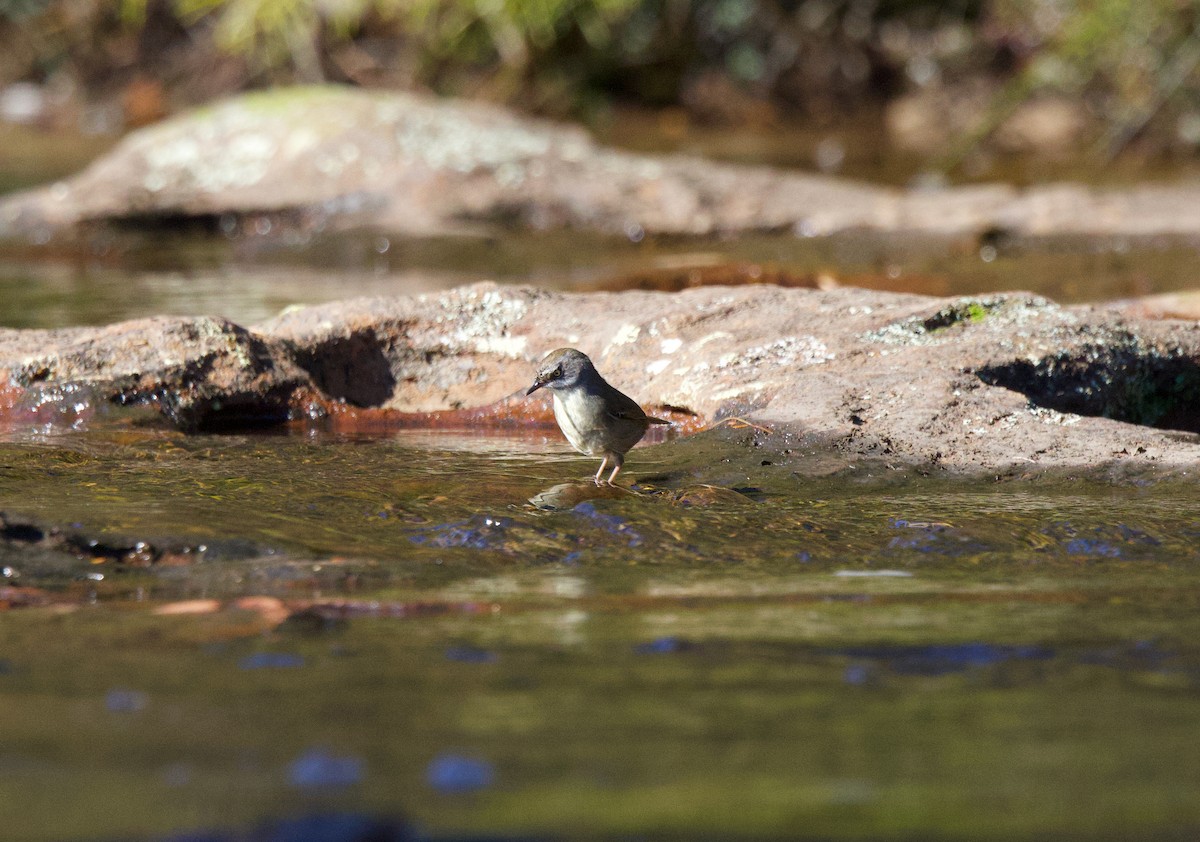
[[561, 369]]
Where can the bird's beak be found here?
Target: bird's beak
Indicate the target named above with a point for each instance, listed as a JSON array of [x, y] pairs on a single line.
[[537, 384]]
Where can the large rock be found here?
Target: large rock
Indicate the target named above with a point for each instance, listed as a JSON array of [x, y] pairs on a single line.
[[412, 164], [993, 383], [198, 372]]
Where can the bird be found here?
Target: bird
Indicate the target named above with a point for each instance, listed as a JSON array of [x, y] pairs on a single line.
[[597, 419]]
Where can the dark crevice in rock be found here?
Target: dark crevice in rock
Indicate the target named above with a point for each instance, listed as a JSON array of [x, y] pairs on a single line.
[[206, 223], [1125, 381], [354, 368], [229, 413], [150, 221]]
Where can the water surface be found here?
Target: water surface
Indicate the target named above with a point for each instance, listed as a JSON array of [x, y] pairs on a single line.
[[715, 651], [112, 275]]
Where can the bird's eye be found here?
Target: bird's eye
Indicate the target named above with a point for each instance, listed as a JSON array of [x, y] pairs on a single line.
[[557, 373]]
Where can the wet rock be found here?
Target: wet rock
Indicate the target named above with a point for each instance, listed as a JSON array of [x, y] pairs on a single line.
[[414, 165], [1000, 383], [568, 495], [188, 607], [201, 372], [703, 496]]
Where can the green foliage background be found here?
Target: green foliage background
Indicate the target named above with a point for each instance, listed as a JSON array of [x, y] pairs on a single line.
[[1134, 64]]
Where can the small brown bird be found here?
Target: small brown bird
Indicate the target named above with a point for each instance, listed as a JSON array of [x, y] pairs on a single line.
[[597, 419]]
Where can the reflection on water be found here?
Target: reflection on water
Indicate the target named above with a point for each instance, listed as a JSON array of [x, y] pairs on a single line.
[[455, 632]]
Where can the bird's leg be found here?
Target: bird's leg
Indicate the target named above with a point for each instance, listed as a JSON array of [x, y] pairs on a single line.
[[613, 476], [618, 460], [600, 470]]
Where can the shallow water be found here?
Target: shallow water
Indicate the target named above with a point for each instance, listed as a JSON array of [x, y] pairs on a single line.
[[204, 633], [109, 276], [723, 648]]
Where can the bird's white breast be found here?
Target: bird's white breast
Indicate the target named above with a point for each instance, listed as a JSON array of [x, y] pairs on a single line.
[[572, 408]]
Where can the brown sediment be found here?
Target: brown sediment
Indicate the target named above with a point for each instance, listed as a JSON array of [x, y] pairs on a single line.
[[12, 596]]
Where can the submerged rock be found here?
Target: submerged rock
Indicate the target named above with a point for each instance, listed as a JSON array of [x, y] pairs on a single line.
[[1002, 382], [411, 164]]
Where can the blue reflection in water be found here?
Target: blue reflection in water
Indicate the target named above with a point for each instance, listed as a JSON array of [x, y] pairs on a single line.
[[470, 655], [662, 646], [320, 769], [480, 532], [942, 659], [1115, 541], [120, 700], [271, 660], [612, 524], [455, 774], [1092, 547]]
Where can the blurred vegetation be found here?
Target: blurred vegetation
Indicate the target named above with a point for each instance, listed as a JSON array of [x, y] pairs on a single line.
[[1131, 63], [1133, 66]]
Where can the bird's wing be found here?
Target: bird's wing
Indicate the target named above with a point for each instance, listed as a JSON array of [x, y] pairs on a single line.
[[627, 414], [621, 406], [636, 414]]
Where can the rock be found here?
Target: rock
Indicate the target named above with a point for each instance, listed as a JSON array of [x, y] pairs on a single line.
[[408, 164], [993, 383], [200, 372], [1168, 305]]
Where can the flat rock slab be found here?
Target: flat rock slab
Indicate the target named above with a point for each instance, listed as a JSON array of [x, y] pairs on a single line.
[[415, 165], [1003, 382]]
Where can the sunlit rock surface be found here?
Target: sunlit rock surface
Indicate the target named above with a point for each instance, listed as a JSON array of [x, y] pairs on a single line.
[[417, 165], [999, 382]]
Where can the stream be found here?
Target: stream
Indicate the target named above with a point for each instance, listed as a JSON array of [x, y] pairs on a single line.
[[455, 635]]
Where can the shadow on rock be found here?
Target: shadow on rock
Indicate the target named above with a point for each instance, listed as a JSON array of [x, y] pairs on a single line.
[[1125, 380], [353, 368]]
